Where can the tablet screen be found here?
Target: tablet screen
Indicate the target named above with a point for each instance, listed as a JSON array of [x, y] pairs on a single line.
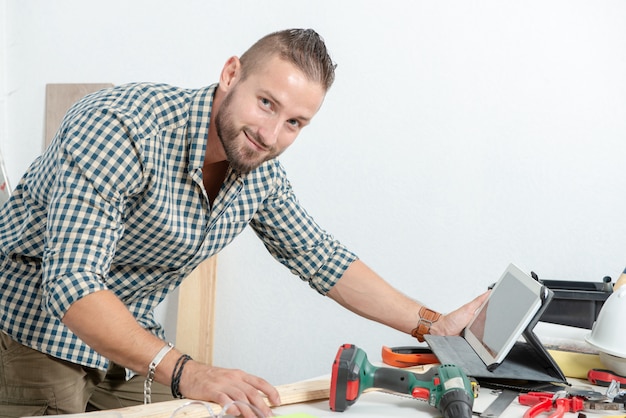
[[512, 304]]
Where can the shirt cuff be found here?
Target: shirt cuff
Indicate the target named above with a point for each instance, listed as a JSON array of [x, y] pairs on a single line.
[[62, 291], [333, 270]]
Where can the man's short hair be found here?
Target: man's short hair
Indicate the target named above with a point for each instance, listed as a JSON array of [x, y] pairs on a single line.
[[304, 48]]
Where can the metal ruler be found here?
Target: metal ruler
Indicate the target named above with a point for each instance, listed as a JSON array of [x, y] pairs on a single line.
[[501, 403]]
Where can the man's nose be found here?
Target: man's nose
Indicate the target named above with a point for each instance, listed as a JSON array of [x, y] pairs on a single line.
[[270, 132]]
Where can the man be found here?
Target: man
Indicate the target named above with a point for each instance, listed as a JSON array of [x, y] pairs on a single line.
[[141, 183]]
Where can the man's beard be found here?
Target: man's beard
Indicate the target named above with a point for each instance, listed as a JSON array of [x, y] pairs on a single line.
[[241, 158]]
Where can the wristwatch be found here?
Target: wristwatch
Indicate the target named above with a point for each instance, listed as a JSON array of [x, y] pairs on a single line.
[[427, 318]]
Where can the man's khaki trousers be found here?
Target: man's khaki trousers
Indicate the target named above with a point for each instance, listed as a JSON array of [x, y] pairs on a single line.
[[33, 383]]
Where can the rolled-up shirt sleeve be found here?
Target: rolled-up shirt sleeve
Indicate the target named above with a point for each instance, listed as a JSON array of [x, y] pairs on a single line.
[[293, 238], [98, 166]]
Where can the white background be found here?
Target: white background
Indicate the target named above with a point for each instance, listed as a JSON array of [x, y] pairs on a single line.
[[459, 136]]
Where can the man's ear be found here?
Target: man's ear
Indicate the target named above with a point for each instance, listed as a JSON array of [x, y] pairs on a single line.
[[230, 73]]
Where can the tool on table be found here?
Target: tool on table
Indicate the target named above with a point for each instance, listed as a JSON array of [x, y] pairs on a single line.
[[563, 402], [543, 402], [445, 387], [615, 394], [602, 377], [500, 404], [613, 399], [408, 356]]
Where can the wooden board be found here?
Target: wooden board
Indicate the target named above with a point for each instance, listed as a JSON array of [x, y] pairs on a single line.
[[290, 394], [621, 281], [306, 391], [59, 98], [196, 301]]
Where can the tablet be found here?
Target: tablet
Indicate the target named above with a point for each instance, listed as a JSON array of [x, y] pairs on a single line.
[[500, 321]]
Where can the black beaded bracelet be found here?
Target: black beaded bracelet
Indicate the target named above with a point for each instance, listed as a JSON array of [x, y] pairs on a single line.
[[177, 373]]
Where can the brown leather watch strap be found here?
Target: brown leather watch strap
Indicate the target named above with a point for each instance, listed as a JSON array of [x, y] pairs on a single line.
[[427, 318]]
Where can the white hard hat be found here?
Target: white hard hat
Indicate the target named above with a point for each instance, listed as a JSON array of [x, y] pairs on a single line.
[[607, 334]]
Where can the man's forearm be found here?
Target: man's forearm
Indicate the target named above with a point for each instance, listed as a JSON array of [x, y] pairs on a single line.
[[104, 323], [365, 293]]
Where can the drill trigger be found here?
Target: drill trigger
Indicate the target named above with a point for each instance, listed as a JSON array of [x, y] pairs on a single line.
[[420, 393]]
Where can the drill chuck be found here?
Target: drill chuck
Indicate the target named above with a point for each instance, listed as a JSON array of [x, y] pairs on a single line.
[[455, 403]]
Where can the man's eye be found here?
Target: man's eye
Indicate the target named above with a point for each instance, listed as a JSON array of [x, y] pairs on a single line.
[[265, 102], [293, 122]]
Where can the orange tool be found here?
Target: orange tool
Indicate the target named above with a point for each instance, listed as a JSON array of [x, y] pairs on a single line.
[[408, 356]]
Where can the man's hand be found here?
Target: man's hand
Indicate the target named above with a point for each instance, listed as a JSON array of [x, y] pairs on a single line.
[[219, 385], [103, 322], [454, 322]]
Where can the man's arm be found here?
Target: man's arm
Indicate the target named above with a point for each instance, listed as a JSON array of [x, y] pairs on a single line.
[[364, 292], [102, 321]]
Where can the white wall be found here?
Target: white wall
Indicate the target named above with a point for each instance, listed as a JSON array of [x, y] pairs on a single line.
[[3, 96], [459, 136]]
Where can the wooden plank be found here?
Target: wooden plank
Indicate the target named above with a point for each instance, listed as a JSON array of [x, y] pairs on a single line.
[[305, 391], [194, 324], [621, 281], [290, 394], [59, 98], [310, 390]]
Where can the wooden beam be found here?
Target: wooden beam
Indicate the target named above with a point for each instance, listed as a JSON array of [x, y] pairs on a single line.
[[290, 394], [196, 302], [313, 390]]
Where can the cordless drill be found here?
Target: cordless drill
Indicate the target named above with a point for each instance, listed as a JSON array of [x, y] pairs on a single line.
[[446, 387]]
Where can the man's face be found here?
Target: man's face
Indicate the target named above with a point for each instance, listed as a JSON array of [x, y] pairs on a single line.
[[262, 115]]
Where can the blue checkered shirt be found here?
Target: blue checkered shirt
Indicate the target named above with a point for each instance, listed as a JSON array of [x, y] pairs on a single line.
[[117, 202]]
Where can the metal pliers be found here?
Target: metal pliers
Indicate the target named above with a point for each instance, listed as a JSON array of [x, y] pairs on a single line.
[[568, 401], [544, 402]]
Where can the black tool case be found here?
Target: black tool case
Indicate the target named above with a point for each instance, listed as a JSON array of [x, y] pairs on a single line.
[[576, 304]]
